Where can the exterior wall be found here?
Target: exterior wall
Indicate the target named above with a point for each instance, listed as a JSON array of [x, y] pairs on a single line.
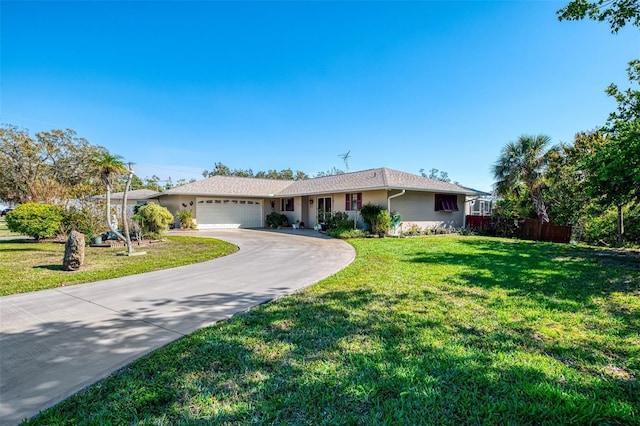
[[414, 207], [338, 204], [419, 208], [298, 213], [130, 205], [173, 203]]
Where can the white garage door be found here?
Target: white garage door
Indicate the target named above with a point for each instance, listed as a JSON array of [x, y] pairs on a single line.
[[228, 213]]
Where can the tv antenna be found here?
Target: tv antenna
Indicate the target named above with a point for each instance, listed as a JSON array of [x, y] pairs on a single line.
[[345, 158]]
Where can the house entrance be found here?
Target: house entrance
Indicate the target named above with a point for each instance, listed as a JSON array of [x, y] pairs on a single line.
[[324, 209]]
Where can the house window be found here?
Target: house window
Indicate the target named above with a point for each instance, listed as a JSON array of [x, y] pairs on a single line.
[[446, 202], [353, 202], [286, 204]]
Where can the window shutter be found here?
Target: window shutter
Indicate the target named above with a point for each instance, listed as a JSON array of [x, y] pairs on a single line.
[[359, 200], [347, 203]]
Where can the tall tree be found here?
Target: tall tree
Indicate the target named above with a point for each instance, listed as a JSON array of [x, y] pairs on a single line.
[[110, 168], [564, 179], [523, 161], [613, 177], [436, 175], [284, 174], [54, 166], [617, 13], [629, 99]]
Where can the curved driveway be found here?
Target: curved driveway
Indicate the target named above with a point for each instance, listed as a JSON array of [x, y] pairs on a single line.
[[55, 342]]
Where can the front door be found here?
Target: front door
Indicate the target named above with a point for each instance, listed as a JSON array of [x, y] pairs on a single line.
[[324, 209]]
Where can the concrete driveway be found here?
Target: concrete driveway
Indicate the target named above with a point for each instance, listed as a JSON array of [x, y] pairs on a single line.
[[53, 343]]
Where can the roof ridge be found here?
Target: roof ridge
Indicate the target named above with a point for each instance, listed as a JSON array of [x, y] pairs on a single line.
[[385, 178]]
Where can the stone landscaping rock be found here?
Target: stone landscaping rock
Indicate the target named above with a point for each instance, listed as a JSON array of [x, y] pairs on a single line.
[[73, 252]]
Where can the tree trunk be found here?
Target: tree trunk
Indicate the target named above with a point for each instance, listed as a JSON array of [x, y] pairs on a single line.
[[538, 202], [125, 223], [620, 226], [108, 214]]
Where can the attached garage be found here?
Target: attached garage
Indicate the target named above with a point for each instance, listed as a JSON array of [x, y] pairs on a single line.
[[228, 213]]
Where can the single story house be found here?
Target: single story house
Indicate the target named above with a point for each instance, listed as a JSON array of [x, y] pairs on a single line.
[[237, 202]]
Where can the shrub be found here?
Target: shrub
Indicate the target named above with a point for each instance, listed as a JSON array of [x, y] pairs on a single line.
[[602, 227], [369, 213], [412, 230], [35, 220], [382, 223], [504, 219], [154, 219], [185, 217], [277, 220], [87, 219], [340, 220], [347, 233]]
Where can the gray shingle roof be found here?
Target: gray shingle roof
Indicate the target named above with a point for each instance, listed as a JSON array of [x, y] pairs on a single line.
[[232, 185], [380, 178], [137, 194]]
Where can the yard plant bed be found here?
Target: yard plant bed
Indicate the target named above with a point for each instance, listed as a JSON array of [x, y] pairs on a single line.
[[29, 265], [430, 330]]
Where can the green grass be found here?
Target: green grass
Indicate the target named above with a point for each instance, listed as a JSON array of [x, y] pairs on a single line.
[[4, 231], [434, 330], [28, 265]]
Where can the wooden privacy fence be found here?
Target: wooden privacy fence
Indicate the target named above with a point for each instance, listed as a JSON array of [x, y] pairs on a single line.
[[479, 222], [528, 229]]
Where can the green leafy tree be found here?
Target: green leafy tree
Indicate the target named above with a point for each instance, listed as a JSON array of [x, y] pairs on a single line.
[[55, 166], [35, 220], [523, 162], [284, 174], [617, 13], [568, 200], [613, 170], [628, 100]]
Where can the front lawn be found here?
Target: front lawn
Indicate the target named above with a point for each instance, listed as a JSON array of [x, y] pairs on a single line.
[[4, 230], [433, 330], [29, 265]]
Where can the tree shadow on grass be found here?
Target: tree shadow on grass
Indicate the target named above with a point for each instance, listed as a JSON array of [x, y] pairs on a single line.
[[346, 357], [58, 267]]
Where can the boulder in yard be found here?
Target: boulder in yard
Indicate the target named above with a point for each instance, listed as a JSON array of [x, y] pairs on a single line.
[[73, 252]]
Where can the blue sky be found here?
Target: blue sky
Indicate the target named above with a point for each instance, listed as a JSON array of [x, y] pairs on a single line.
[[177, 86]]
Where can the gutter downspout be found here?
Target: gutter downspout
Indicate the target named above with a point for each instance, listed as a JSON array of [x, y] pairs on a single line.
[[394, 196], [389, 203]]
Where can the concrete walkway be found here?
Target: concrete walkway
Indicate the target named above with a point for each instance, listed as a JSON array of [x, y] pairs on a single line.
[[53, 343]]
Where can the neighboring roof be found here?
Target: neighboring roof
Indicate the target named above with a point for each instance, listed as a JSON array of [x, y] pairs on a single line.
[[366, 180], [137, 194], [232, 185]]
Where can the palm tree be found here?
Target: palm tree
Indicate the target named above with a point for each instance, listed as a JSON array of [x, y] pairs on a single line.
[[523, 162], [109, 167]]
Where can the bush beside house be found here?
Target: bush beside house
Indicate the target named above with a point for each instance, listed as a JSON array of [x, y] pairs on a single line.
[[154, 219]]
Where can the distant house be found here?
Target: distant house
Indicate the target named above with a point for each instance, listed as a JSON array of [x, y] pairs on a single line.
[[236, 202], [137, 197]]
